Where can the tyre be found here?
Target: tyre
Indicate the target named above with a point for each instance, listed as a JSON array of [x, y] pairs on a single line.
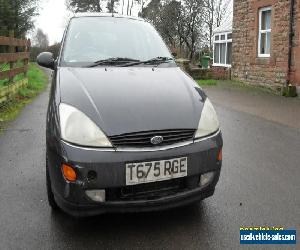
[[50, 194]]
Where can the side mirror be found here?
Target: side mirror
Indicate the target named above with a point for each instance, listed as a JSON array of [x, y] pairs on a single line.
[[46, 59]]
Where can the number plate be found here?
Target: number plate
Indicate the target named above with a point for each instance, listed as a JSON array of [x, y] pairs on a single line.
[[145, 172]]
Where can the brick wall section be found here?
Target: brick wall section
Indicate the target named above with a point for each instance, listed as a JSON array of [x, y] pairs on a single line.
[[246, 65], [197, 73], [221, 73], [218, 73]]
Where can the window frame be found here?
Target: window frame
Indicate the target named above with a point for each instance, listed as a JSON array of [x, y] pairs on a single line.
[[260, 31], [226, 41]]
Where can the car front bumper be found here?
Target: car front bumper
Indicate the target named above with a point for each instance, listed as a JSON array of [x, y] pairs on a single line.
[[109, 168]]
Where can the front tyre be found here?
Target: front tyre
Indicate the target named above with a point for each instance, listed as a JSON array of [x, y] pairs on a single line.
[[50, 194]]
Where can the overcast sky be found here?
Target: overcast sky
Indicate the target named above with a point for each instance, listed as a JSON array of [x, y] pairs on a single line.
[[53, 16]]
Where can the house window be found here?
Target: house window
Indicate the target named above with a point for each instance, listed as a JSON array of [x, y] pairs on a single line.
[[264, 35], [222, 49]]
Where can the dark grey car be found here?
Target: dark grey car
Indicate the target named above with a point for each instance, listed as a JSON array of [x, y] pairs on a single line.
[[127, 129]]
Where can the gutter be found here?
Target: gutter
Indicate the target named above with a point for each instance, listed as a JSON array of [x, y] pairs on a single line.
[[291, 34], [289, 89]]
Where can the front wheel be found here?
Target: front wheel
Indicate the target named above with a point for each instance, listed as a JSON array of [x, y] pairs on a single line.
[[50, 194]]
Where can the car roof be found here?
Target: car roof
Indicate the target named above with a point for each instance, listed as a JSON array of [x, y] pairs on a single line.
[[97, 14]]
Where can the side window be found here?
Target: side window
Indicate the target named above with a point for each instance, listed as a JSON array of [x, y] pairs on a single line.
[[264, 32], [222, 49]]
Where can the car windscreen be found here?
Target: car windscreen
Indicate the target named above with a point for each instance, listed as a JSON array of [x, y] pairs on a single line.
[[90, 39]]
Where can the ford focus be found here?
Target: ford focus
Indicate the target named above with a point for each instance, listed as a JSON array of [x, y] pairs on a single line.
[[127, 129]]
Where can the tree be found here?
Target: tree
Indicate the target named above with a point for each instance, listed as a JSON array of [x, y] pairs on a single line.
[[84, 5], [91, 5], [142, 4], [130, 4], [111, 6], [40, 43], [168, 22], [214, 13], [152, 12], [187, 24], [41, 39], [179, 22], [123, 1], [54, 49], [192, 24], [164, 15], [17, 15]]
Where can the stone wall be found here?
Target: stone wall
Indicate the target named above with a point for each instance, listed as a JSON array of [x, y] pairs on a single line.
[[8, 92], [246, 65], [221, 73], [198, 73]]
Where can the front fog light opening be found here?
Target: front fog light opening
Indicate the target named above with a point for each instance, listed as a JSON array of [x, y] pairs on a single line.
[[96, 195], [206, 178]]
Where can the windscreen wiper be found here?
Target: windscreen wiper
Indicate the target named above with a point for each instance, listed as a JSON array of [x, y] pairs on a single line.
[[154, 61], [112, 61]]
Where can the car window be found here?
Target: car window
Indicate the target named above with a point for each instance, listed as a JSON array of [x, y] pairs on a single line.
[[90, 39]]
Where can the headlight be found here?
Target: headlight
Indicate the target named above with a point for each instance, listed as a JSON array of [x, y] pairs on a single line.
[[79, 129], [209, 122]]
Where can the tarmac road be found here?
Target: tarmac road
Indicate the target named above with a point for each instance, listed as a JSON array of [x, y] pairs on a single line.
[[259, 186]]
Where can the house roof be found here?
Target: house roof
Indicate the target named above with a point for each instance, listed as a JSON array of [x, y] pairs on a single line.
[[226, 26]]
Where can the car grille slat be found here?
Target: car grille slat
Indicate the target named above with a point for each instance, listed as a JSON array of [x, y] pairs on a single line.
[[143, 139], [179, 138], [152, 191], [150, 133], [132, 138]]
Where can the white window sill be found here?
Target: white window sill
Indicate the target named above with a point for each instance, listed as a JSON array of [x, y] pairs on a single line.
[[264, 55], [221, 65]]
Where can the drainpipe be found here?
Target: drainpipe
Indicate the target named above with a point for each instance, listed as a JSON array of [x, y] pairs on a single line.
[[291, 34]]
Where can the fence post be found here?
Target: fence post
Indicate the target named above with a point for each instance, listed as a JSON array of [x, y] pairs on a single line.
[[11, 50], [26, 61]]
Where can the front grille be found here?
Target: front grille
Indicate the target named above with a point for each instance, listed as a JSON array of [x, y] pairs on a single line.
[[143, 139], [152, 191]]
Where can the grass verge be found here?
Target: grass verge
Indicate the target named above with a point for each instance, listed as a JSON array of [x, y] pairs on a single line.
[[230, 84], [247, 87], [4, 67], [207, 82], [37, 81]]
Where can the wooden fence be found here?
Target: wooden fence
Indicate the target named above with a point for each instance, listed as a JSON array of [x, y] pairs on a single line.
[[11, 57]]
